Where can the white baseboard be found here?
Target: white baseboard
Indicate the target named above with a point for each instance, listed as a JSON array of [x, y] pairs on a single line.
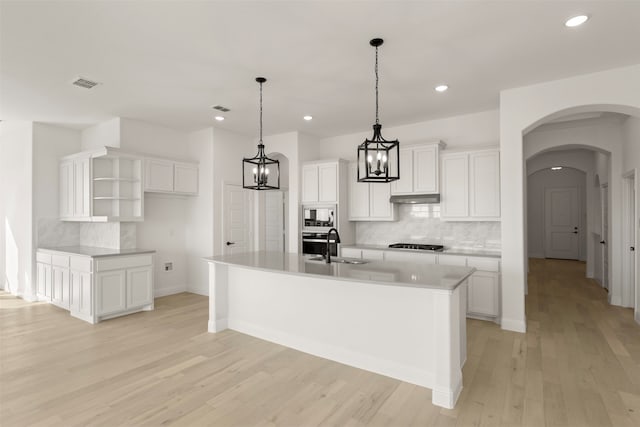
[[445, 398], [636, 316], [514, 325], [214, 326], [163, 292], [198, 291], [380, 366], [535, 255]]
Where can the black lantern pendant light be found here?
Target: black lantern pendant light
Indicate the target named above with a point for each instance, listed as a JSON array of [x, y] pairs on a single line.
[[260, 172], [378, 159]]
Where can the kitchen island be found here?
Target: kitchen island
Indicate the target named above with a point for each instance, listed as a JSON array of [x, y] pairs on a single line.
[[403, 320]]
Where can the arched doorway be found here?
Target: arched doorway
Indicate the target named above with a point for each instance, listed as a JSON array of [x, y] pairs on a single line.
[[524, 109]]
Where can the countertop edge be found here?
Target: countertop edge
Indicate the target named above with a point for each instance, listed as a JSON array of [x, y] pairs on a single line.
[[349, 279], [86, 255], [454, 252]]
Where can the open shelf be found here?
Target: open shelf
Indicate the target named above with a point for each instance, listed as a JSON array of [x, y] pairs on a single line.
[[115, 198]]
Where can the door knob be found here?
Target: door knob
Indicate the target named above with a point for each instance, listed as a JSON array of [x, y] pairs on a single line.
[[231, 243], [602, 242], [633, 248], [575, 232]]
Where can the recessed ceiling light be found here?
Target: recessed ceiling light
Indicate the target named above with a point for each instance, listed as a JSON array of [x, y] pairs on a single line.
[[307, 118], [441, 88], [219, 118], [576, 21], [556, 168]]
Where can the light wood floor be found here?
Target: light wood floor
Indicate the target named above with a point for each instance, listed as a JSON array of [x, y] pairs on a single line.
[[577, 365]]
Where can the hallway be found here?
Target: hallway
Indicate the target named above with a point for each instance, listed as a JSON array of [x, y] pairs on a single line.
[[583, 355]]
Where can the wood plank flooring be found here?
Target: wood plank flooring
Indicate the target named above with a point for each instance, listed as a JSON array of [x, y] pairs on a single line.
[[578, 365]]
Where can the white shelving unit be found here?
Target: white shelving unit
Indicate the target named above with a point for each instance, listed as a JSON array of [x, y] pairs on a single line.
[[114, 181]]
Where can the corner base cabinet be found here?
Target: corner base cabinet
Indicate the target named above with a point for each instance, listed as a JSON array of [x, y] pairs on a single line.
[[96, 288]]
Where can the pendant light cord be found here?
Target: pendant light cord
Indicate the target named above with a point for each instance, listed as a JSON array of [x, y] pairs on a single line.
[[261, 113], [377, 121]]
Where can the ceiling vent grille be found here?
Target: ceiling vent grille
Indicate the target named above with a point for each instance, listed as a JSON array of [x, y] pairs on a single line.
[[85, 83], [220, 108]]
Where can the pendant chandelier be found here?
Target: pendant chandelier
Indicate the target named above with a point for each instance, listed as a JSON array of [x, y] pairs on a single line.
[[260, 172], [378, 159]]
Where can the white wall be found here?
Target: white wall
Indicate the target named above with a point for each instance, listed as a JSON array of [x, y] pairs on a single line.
[[537, 183], [468, 130], [16, 154], [199, 218], [631, 144], [523, 109], [50, 143], [101, 135]]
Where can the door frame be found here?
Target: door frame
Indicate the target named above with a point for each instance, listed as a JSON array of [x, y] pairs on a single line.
[[250, 238], [629, 233]]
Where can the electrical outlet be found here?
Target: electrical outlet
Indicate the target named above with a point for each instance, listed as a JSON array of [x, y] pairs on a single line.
[[168, 266]]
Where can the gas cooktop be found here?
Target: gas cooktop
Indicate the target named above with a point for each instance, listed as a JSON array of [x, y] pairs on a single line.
[[420, 247]]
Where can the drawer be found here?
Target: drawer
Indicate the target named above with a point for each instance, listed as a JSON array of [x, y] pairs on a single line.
[[81, 263], [44, 258], [122, 262], [372, 254], [60, 260], [458, 261], [484, 264]]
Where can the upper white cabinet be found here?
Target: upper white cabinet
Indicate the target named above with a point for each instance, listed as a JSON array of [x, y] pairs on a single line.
[[167, 176], [320, 182], [419, 170], [368, 202], [102, 185], [471, 186]]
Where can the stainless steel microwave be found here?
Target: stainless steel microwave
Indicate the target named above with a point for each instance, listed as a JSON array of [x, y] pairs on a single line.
[[318, 218]]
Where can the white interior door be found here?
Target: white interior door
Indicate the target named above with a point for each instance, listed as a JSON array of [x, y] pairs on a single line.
[[629, 231], [274, 221], [562, 220], [238, 220]]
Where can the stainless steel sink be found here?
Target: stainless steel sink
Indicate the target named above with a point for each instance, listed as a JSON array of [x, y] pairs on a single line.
[[352, 261]]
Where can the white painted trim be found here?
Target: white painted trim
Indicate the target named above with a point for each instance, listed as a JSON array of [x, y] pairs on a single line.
[[535, 255], [214, 326], [348, 357], [446, 398], [514, 325], [202, 290], [163, 292]]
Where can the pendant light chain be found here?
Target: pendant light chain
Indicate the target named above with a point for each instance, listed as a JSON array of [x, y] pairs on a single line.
[[377, 120]]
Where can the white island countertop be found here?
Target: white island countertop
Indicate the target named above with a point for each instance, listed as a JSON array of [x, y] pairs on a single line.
[[407, 274], [487, 253]]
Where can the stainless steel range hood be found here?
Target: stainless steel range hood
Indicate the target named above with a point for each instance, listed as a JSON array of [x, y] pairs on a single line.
[[416, 199]]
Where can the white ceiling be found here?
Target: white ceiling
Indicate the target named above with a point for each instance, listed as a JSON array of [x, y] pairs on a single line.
[[169, 62]]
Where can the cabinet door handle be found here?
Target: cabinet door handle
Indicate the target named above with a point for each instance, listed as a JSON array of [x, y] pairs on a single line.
[[231, 243]]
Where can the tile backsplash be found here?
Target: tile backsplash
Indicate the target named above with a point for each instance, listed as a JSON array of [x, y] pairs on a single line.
[[422, 224], [114, 235]]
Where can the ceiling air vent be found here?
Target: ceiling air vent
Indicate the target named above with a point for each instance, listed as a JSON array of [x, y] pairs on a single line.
[[85, 83], [220, 108]]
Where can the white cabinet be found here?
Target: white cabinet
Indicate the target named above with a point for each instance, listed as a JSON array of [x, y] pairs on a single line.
[[167, 176], [81, 295], [185, 178], [139, 289], [369, 202], [419, 170], [93, 289], [320, 182], [100, 186], [471, 186], [482, 297], [111, 292], [158, 175], [44, 286]]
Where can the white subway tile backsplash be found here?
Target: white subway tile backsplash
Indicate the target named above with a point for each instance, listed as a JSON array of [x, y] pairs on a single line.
[[422, 224]]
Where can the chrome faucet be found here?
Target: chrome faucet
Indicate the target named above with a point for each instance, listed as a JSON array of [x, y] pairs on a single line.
[[337, 240]]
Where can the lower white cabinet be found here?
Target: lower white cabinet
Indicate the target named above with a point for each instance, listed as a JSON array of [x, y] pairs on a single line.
[[81, 295], [94, 289], [417, 257], [110, 292], [61, 286], [482, 297]]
